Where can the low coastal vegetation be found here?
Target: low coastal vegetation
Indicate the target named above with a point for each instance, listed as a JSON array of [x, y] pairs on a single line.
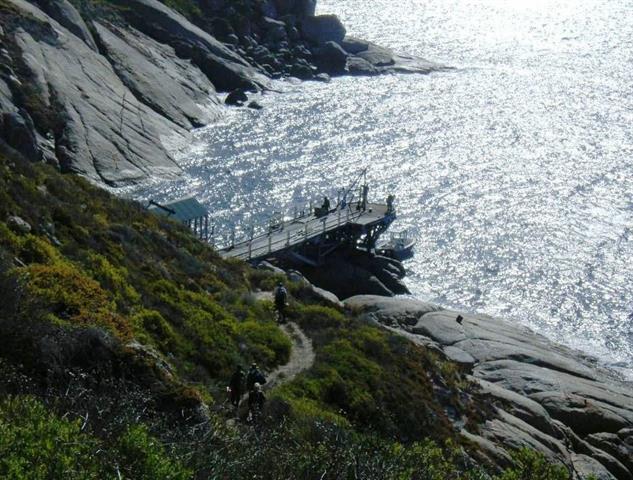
[[120, 331]]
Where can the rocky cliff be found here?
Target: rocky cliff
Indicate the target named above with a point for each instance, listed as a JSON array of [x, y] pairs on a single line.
[[107, 88]]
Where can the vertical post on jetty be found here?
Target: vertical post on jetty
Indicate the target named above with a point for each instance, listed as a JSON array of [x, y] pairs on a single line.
[[250, 249], [288, 239], [233, 236], [306, 230], [324, 221], [270, 243]]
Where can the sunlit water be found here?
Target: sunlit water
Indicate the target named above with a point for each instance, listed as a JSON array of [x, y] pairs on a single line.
[[513, 171]]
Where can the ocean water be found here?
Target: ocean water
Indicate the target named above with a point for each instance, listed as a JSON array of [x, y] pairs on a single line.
[[513, 170]]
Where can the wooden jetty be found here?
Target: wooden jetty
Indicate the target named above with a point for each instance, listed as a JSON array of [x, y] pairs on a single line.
[[307, 236], [311, 237]]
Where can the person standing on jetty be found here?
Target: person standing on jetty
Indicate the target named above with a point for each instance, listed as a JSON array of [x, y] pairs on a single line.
[[236, 385]]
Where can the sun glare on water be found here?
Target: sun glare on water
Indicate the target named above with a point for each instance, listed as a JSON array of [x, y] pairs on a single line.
[[511, 169]]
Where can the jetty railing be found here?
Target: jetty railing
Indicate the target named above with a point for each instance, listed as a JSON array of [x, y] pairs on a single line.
[[295, 231]]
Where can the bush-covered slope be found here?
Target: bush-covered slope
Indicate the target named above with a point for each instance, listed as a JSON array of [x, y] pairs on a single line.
[[120, 331]]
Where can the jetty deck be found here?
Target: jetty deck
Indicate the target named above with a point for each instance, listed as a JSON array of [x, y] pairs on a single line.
[[350, 222]]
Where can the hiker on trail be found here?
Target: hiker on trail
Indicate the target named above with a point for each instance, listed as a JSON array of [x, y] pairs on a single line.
[[254, 376], [281, 296], [236, 385], [256, 399]]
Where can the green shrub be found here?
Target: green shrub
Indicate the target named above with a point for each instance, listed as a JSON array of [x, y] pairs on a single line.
[[113, 279], [37, 250], [149, 326], [64, 294], [264, 342], [34, 444], [317, 317], [264, 280], [141, 457], [532, 465]]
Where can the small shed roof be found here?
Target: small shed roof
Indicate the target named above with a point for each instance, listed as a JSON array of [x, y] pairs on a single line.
[[185, 209]]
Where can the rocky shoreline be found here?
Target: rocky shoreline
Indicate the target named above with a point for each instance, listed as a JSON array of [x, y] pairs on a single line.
[[545, 396], [102, 88], [548, 397], [350, 272]]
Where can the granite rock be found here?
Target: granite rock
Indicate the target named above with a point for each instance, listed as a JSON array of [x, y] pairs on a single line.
[[323, 28], [102, 131], [546, 396], [157, 77], [226, 69], [67, 15], [367, 58]]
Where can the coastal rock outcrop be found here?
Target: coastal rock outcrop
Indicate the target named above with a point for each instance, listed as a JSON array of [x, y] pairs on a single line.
[[331, 58], [367, 58], [323, 28], [301, 8], [146, 66], [349, 273], [100, 128], [109, 89], [226, 69], [67, 15], [17, 130], [548, 397], [110, 103]]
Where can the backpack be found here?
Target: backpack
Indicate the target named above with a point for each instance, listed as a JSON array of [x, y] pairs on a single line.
[[259, 378], [253, 377], [280, 295]]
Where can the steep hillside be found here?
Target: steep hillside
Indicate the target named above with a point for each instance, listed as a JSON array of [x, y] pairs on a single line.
[[120, 331]]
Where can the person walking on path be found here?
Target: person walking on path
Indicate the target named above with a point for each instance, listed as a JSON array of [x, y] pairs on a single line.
[[236, 386], [281, 298], [254, 376], [256, 399]]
